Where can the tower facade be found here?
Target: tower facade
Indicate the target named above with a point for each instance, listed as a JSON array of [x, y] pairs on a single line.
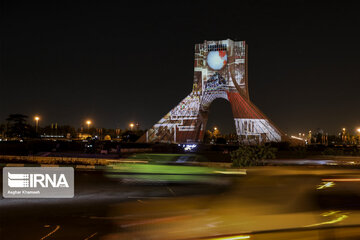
[[220, 71]]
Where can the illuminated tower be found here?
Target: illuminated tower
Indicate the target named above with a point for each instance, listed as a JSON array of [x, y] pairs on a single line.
[[220, 71]]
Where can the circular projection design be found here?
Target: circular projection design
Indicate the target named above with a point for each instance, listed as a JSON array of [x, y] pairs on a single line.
[[217, 59]]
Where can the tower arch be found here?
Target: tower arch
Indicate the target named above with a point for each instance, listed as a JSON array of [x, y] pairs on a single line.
[[220, 116]]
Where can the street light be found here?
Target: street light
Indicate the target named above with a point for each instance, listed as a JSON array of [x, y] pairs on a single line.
[[131, 126], [36, 118], [343, 135], [358, 130], [88, 122], [215, 128]]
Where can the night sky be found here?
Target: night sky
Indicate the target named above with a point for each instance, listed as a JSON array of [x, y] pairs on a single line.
[[114, 63]]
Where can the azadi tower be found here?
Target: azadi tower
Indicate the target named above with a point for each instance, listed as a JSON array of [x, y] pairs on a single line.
[[220, 71]]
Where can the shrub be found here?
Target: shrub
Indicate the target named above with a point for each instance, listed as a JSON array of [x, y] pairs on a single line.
[[246, 156], [300, 151], [349, 151], [329, 151]]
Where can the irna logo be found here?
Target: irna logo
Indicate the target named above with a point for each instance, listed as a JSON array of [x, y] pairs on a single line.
[[16, 180], [38, 182]]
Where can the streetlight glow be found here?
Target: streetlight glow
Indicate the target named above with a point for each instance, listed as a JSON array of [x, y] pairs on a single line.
[[131, 126], [36, 118], [88, 122]]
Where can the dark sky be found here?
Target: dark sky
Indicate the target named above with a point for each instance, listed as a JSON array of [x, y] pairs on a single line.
[[115, 63]]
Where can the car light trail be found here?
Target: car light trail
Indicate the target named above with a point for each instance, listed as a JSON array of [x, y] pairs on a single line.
[[325, 185], [342, 180], [232, 238], [92, 235], [326, 214], [338, 218], [242, 172], [50, 233]]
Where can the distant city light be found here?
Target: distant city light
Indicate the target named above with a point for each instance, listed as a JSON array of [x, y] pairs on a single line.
[[189, 147], [131, 126], [298, 138]]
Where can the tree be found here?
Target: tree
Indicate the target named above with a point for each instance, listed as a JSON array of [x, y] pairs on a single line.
[[246, 156], [17, 127], [216, 133], [65, 129], [2, 129]]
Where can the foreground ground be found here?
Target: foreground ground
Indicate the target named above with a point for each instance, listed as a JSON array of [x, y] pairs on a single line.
[[268, 200]]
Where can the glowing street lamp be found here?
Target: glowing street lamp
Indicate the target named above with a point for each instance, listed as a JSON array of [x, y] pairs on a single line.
[[36, 118], [88, 123], [358, 130], [131, 126], [215, 128], [343, 135]]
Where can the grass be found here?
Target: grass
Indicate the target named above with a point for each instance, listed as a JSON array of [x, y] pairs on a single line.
[[166, 157]]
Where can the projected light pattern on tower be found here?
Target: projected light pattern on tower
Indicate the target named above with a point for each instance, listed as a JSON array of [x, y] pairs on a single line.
[[220, 71]]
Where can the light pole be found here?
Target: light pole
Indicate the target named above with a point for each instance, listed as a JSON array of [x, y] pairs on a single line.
[[36, 118], [88, 123]]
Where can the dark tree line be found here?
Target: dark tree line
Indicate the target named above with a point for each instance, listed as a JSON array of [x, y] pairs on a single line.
[[17, 127]]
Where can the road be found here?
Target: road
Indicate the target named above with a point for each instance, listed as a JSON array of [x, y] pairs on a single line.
[[267, 199], [86, 215]]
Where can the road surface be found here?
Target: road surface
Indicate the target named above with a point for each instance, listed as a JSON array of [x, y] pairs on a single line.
[[268, 200]]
